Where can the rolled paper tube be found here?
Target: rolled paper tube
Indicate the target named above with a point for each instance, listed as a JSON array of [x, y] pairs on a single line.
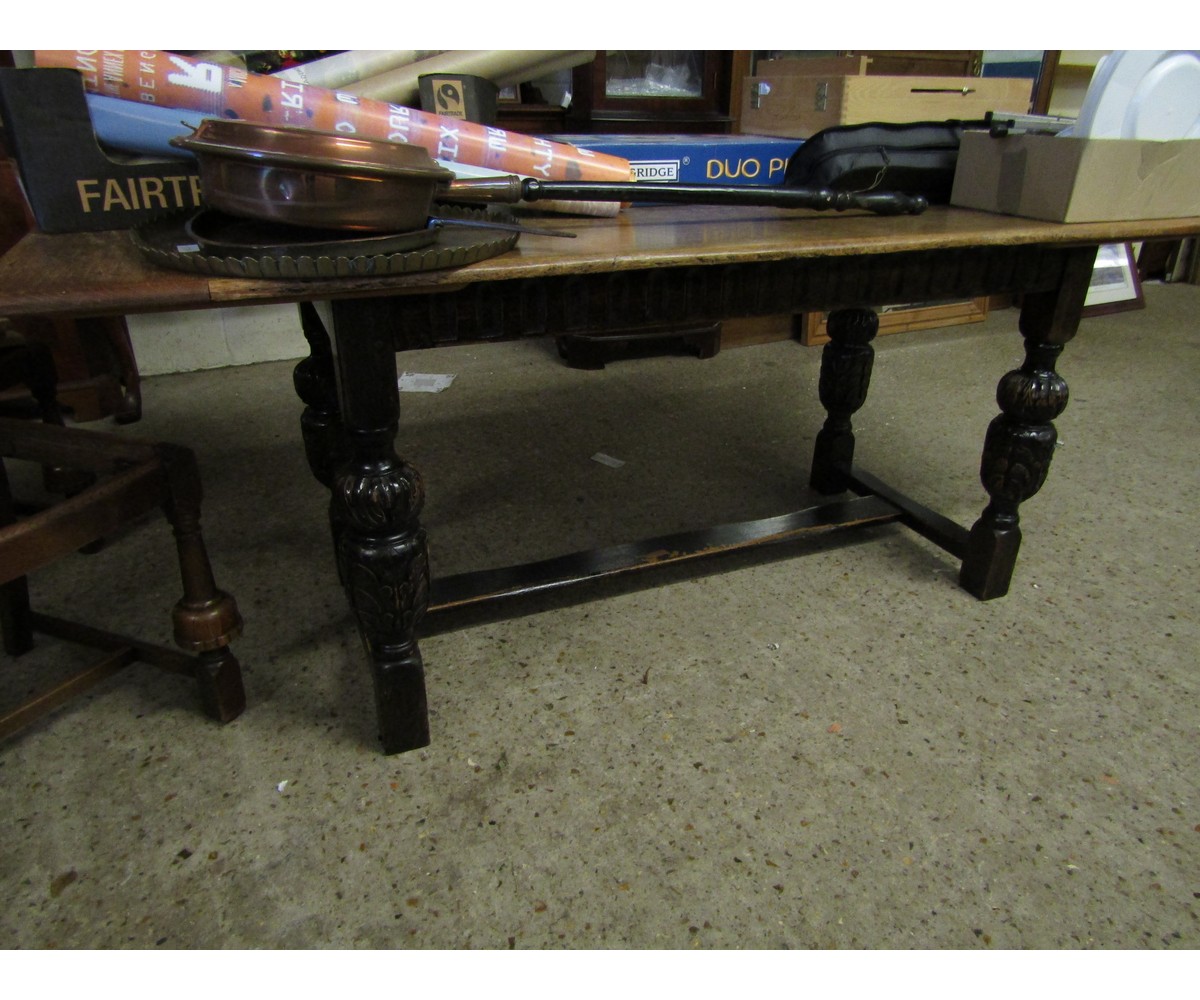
[[346, 68], [166, 79], [503, 68], [536, 71]]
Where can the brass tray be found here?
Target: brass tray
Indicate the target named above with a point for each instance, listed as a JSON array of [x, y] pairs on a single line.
[[170, 242]]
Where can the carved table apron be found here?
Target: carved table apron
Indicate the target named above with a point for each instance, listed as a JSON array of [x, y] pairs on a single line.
[[652, 268]]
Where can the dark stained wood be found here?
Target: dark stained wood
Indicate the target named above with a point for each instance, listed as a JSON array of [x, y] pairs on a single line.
[[137, 477], [315, 383], [42, 704], [846, 363], [592, 351], [1019, 444], [382, 556], [580, 567], [696, 294], [96, 372], [593, 110], [103, 273], [172, 661], [944, 533], [917, 62], [647, 266], [1044, 86]]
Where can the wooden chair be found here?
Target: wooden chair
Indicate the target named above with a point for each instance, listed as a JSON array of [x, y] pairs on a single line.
[[108, 481], [97, 372]]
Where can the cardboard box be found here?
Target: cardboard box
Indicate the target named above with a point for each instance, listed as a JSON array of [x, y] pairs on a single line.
[[1062, 179], [814, 66], [695, 159], [787, 104]]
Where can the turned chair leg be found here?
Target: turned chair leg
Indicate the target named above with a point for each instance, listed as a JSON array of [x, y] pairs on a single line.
[[206, 619]]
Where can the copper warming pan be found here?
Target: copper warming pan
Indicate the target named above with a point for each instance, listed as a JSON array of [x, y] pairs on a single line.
[[330, 180]]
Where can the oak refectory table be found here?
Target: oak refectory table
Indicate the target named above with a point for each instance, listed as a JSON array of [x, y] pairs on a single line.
[[650, 267]]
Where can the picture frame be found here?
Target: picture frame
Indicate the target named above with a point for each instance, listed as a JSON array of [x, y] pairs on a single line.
[[902, 318], [1115, 285]]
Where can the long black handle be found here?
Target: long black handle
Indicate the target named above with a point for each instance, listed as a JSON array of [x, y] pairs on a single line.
[[513, 189], [882, 202]]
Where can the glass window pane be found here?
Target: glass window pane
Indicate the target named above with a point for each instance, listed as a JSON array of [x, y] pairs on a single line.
[[654, 74]]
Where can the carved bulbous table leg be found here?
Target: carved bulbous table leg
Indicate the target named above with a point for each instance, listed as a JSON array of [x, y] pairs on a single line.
[[846, 363], [383, 555], [376, 504], [1016, 459], [1020, 442]]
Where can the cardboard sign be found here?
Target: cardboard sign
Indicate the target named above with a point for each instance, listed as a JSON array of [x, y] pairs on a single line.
[[71, 184]]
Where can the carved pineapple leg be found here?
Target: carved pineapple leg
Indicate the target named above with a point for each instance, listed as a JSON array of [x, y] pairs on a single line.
[[846, 363], [377, 500], [1016, 459], [1020, 442]]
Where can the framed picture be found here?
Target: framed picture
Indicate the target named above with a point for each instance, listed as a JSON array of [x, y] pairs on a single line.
[[1115, 285]]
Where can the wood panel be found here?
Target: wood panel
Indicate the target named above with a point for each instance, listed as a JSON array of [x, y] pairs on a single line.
[[103, 273]]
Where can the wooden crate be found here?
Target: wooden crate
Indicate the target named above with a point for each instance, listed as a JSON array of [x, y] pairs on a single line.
[[901, 319], [797, 106]]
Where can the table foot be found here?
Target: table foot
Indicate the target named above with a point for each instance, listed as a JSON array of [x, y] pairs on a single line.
[[846, 363], [387, 582], [401, 708]]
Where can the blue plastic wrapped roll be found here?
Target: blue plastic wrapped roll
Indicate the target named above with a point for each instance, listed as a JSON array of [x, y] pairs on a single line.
[[132, 127]]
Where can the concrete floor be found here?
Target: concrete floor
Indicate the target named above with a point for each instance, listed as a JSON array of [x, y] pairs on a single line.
[[840, 751]]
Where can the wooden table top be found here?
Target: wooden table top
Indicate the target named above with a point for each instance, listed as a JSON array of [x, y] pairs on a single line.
[[104, 273]]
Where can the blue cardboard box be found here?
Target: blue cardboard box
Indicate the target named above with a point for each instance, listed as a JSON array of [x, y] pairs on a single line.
[[696, 159]]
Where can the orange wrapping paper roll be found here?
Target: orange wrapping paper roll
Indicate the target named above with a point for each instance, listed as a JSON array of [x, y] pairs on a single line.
[[229, 92], [505, 68]]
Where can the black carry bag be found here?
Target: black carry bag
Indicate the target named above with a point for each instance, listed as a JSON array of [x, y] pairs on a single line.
[[912, 158]]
